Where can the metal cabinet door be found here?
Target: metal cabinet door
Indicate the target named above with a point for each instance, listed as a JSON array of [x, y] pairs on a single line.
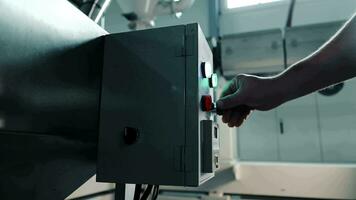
[[338, 124], [299, 134], [257, 138]]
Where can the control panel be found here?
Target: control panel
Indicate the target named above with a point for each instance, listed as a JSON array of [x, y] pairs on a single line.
[[157, 120]]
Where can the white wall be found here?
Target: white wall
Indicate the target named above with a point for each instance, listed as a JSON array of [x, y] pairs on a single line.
[[319, 11], [253, 18], [249, 19], [115, 22], [274, 15]]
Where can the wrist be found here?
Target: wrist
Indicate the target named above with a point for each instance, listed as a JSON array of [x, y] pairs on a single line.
[[281, 89]]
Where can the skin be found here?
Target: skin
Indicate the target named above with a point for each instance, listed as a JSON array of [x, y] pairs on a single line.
[[334, 62]]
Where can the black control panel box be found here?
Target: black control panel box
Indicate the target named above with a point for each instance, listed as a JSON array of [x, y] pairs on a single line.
[[156, 124]]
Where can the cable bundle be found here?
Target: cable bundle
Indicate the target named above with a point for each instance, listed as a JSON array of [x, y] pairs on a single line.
[[146, 193]]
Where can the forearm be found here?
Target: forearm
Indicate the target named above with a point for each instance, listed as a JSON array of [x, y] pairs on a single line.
[[332, 63]]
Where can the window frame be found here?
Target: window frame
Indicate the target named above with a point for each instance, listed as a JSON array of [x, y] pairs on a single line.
[[225, 9]]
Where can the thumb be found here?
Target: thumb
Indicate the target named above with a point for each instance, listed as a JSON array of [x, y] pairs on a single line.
[[230, 101]]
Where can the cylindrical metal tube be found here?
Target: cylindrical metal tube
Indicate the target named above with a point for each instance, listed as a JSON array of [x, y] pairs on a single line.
[[50, 71], [50, 67]]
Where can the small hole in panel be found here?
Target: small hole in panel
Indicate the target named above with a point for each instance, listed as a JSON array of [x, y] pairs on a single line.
[[216, 132], [216, 161]]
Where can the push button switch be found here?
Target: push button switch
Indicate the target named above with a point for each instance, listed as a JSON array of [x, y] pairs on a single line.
[[213, 81], [131, 135], [206, 69], [207, 103]]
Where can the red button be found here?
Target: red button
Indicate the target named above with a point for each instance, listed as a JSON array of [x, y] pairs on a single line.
[[207, 103]]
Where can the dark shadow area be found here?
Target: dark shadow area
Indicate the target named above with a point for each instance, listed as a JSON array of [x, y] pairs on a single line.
[[50, 74]]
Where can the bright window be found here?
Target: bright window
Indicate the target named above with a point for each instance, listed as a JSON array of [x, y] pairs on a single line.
[[245, 3]]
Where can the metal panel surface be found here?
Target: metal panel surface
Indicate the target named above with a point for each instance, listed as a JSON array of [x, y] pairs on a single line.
[[143, 88], [299, 135], [301, 41], [43, 167], [338, 124], [198, 51], [257, 138], [151, 90], [255, 52], [50, 69]]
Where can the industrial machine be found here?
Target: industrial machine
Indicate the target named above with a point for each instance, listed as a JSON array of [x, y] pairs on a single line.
[[156, 124], [70, 91]]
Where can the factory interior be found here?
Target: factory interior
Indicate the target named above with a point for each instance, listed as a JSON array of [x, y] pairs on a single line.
[[177, 99]]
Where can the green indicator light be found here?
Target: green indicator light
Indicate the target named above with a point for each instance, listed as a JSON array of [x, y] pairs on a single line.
[[213, 81], [205, 83]]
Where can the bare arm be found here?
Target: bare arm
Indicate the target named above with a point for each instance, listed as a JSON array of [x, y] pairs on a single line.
[[334, 62]]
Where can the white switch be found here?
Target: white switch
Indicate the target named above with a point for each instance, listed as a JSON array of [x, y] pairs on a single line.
[[206, 69]]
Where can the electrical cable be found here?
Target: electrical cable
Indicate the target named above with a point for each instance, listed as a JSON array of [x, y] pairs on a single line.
[[155, 192], [138, 189], [287, 25], [147, 192], [290, 14]]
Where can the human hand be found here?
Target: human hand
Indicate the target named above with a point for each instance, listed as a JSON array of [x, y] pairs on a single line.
[[246, 93]]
